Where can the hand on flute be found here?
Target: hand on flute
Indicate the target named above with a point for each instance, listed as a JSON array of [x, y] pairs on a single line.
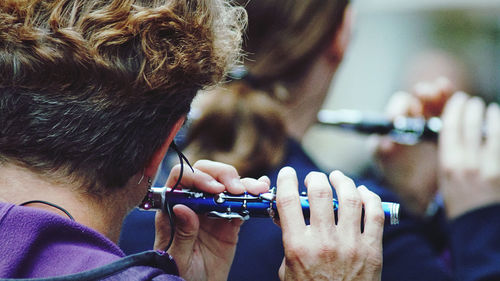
[[469, 156], [325, 250]]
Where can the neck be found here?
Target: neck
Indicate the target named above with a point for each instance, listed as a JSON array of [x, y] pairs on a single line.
[[19, 185], [310, 93]]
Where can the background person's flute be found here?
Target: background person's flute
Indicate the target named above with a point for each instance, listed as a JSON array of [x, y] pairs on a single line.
[[244, 206], [402, 129]]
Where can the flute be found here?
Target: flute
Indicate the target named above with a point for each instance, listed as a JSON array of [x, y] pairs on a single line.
[[406, 130], [229, 206]]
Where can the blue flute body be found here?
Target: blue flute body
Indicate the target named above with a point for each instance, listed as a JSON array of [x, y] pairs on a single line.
[[244, 206]]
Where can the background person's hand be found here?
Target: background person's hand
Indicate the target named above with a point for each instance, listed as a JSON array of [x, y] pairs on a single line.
[[324, 250], [411, 170], [203, 247], [469, 150]]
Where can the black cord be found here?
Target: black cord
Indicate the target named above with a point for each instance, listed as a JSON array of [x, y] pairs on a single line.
[[170, 214], [50, 204]]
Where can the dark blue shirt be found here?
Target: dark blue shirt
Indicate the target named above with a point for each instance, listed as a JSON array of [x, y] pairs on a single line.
[[416, 249]]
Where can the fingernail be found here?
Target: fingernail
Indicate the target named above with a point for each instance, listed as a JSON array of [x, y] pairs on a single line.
[[337, 173], [494, 106], [288, 171], [264, 179], [423, 88], [362, 187], [443, 81], [461, 94]]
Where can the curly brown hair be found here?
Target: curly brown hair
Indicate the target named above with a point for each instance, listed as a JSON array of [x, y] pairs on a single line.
[[90, 89]]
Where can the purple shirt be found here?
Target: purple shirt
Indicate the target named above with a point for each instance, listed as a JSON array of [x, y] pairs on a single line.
[[35, 243]]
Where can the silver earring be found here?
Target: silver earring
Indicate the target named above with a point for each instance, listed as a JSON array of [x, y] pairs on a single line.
[[139, 182]]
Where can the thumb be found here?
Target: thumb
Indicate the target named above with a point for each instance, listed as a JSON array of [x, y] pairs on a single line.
[[162, 230], [186, 232]]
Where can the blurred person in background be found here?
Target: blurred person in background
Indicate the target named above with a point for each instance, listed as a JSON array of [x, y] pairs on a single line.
[[433, 75], [257, 120], [453, 185]]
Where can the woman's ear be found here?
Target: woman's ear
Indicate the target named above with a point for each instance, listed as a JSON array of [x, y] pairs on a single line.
[[152, 166], [342, 37]]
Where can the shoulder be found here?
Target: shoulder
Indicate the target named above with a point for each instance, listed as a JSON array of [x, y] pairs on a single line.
[[36, 244]]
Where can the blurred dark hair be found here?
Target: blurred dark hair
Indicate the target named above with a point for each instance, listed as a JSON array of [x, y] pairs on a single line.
[[241, 124]]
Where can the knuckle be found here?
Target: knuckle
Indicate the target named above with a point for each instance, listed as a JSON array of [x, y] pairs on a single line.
[[286, 200], [351, 253], [352, 201], [378, 218], [448, 171], [327, 250], [295, 251], [320, 193]]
